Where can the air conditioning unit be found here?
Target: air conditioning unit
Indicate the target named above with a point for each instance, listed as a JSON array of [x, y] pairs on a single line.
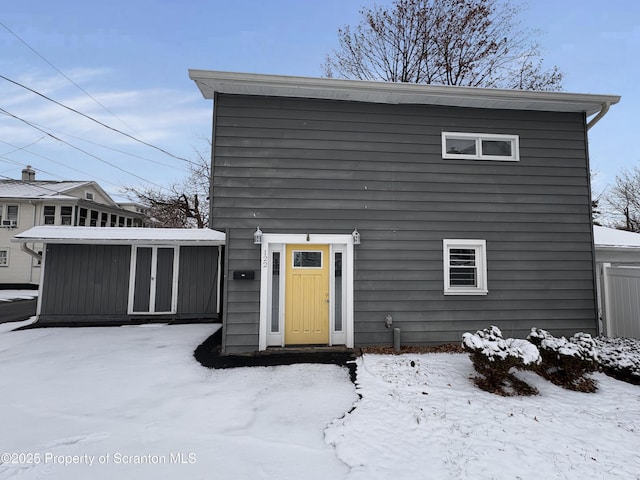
[[9, 223]]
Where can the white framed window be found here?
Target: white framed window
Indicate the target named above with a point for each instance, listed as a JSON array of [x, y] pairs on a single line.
[[465, 267], [480, 146], [88, 195], [49, 213], [4, 258]]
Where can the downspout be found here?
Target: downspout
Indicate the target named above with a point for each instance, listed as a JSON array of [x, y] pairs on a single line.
[[603, 111], [33, 253]]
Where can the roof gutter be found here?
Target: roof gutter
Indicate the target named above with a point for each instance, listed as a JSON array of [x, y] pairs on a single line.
[[603, 111]]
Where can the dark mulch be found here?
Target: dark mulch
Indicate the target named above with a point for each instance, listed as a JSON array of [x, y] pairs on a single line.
[[508, 386], [209, 355]]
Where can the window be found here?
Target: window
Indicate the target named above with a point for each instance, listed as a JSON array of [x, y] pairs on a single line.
[[11, 219], [307, 259], [49, 215], [465, 267], [4, 258], [113, 219], [82, 220], [94, 218], [66, 213], [88, 195], [480, 146], [121, 221], [104, 218]]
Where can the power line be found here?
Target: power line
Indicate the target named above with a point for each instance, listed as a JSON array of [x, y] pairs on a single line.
[[97, 121], [80, 149], [65, 76]]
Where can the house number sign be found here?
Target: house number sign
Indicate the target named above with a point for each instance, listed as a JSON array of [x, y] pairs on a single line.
[[265, 259]]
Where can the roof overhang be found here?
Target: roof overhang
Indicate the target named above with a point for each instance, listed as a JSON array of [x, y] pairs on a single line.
[[211, 82], [121, 236]]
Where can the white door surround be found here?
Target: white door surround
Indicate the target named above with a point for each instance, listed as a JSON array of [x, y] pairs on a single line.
[[272, 286]]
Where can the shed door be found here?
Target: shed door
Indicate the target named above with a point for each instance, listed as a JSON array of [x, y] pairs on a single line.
[[154, 280]]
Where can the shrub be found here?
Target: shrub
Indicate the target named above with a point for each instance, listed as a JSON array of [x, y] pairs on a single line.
[[566, 362], [494, 357], [620, 358]]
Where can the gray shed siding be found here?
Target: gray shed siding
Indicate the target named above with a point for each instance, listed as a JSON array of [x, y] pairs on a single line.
[[316, 166], [87, 284]]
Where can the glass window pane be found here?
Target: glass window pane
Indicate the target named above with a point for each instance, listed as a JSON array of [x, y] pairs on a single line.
[[462, 277], [12, 212], [275, 292], [501, 148], [461, 146], [337, 294], [462, 257], [307, 259]]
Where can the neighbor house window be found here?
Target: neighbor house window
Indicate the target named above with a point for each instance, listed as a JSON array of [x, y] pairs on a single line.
[[11, 219], [94, 218], [465, 267], [480, 146], [104, 218], [82, 221], [49, 215], [88, 195], [113, 220], [4, 258], [66, 214]]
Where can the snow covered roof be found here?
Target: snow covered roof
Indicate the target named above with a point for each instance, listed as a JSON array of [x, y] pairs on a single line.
[[611, 238], [121, 235], [38, 188], [210, 82]]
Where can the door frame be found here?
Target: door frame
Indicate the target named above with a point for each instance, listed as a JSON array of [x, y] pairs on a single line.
[[274, 243], [154, 266]]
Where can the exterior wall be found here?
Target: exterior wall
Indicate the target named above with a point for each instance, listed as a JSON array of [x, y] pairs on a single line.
[[314, 166], [87, 284]]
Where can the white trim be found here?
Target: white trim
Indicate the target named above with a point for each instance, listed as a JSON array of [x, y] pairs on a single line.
[[273, 242], [212, 82], [479, 138], [6, 250], [480, 247]]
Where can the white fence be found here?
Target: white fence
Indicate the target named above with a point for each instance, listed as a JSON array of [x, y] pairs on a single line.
[[621, 300]]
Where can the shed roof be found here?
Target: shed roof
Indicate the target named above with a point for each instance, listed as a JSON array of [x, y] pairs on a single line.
[[210, 82], [611, 238], [121, 235]]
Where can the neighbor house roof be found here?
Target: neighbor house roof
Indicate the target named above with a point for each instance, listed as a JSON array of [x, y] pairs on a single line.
[[121, 235], [210, 82], [38, 188]]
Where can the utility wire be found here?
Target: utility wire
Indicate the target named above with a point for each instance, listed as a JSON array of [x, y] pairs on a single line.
[[80, 149], [97, 121], [65, 76]]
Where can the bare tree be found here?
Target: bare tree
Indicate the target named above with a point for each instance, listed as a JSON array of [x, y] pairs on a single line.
[[183, 204], [624, 200], [449, 42]]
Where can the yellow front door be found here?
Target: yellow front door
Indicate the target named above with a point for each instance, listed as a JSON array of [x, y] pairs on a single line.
[[307, 295]]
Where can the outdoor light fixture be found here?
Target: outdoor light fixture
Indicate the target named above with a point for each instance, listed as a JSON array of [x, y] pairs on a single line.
[[257, 237], [356, 237]]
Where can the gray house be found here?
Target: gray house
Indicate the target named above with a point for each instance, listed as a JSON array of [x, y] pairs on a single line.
[[350, 207]]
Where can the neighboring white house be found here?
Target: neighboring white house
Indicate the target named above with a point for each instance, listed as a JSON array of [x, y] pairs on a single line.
[[29, 202], [618, 270]]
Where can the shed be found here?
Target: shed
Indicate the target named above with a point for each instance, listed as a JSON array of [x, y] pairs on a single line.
[[618, 269], [99, 276]]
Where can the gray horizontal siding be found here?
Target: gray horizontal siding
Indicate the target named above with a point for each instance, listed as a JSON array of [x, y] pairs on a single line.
[[310, 166]]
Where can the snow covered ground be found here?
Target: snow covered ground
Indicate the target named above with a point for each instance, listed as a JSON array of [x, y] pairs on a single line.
[[10, 295], [102, 400]]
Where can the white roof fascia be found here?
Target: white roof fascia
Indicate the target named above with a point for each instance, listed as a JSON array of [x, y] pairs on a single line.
[[121, 236], [210, 82]]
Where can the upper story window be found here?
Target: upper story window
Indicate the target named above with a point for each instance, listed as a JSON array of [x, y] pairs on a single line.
[[10, 218], [88, 195], [66, 215], [4, 258], [465, 267], [49, 215], [480, 146]]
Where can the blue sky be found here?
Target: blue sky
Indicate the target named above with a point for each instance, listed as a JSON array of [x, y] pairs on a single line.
[[134, 56]]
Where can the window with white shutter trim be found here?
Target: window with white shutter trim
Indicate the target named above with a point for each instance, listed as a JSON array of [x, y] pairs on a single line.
[[465, 267]]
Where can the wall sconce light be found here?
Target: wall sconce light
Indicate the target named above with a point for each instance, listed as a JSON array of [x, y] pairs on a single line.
[[356, 237], [257, 237]]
